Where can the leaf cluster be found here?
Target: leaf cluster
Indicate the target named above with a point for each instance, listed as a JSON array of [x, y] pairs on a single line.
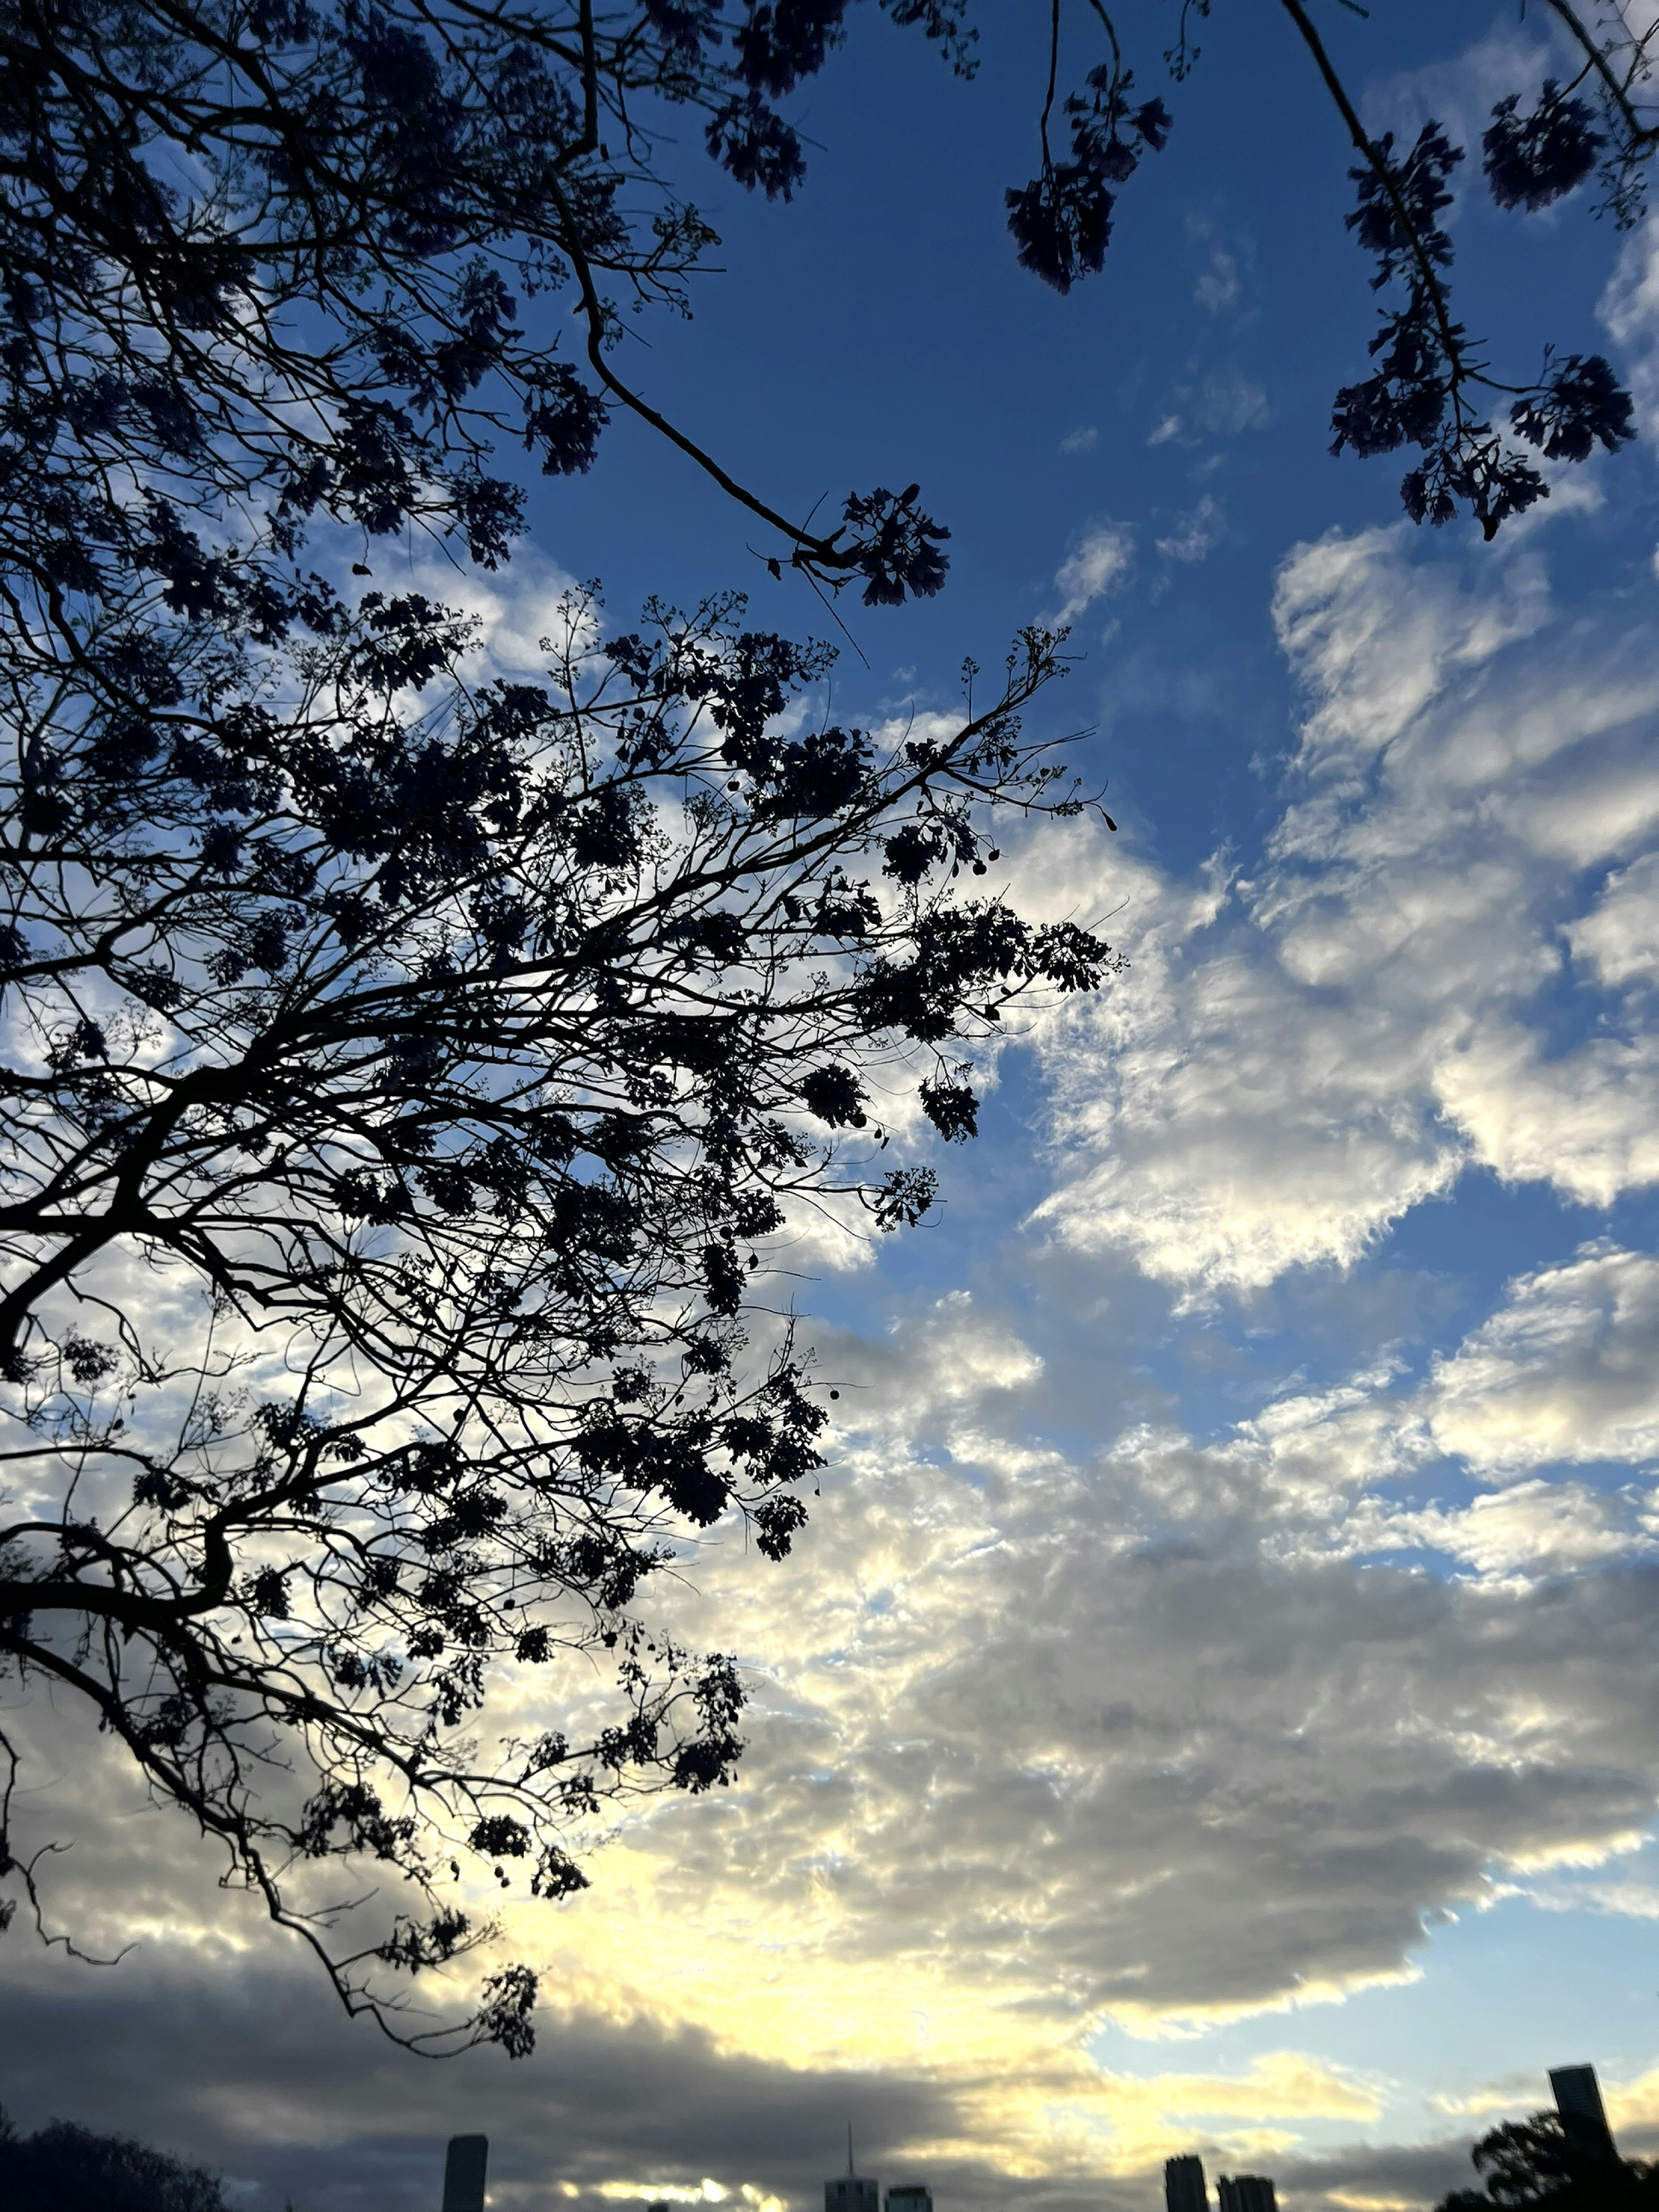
[[1431, 387], [1425, 389], [455, 1053]]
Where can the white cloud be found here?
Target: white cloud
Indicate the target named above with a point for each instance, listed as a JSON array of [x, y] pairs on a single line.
[[1587, 1122], [1303, 1051], [1565, 1373], [1224, 403], [1197, 533], [1540, 1528], [1098, 561], [1083, 439], [1630, 309], [1228, 403], [1219, 286], [514, 607], [1567, 1370], [672, 2193], [1619, 939]]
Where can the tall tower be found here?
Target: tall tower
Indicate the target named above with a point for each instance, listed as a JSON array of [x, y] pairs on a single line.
[[1578, 2101], [463, 2173], [1247, 2192], [1184, 2189], [852, 2193]]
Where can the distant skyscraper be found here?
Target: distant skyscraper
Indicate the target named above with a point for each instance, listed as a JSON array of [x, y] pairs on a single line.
[[463, 2173], [912, 2198], [852, 2193], [1578, 2100], [1183, 2185], [1247, 2192]]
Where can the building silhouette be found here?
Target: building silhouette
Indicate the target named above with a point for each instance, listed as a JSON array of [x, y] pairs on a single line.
[[852, 2191], [1184, 2189], [1247, 2192], [911, 2197], [1578, 2102], [465, 2167]]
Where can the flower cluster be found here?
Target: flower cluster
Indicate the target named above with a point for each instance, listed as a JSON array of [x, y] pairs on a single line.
[[1426, 388], [1061, 221]]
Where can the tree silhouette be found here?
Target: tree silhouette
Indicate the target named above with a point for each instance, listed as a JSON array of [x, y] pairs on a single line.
[[1538, 2162], [404, 1084], [65, 2168], [285, 259], [407, 1071]]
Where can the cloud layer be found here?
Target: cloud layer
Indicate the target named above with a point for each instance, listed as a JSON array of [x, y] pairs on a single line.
[[1075, 1711], [1307, 1051]]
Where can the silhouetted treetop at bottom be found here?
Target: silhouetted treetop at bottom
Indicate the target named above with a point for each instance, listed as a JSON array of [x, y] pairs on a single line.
[[65, 2168], [1536, 2162]]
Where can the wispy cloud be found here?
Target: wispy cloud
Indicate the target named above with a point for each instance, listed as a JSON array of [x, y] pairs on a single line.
[[1099, 561], [1225, 403], [1220, 284], [1219, 288], [1196, 534], [1629, 309]]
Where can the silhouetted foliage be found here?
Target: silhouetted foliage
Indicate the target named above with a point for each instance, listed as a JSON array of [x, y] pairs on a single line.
[[1062, 220], [65, 2168], [406, 1076], [330, 308], [1536, 2162], [1432, 388], [1534, 160], [406, 1071], [405, 1079], [336, 304], [1421, 395]]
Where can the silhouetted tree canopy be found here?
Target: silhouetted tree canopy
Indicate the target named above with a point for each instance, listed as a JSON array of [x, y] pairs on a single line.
[[298, 258], [1537, 2162], [65, 2168], [408, 1072], [403, 1073]]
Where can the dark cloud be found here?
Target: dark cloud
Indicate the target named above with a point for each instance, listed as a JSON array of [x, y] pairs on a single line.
[[1415, 2172], [250, 2067]]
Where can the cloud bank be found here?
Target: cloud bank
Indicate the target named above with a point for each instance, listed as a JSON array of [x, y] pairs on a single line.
[[1309, 1049], [1075, 1712]]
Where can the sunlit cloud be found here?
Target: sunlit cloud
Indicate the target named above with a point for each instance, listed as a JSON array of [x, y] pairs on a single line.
[[1099, 561], [1303, 1053]]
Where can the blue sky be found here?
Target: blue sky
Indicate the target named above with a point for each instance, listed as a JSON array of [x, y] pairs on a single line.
[[1213, 1706]]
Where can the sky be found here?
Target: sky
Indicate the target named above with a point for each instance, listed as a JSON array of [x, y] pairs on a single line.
[[1214, 1706]]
